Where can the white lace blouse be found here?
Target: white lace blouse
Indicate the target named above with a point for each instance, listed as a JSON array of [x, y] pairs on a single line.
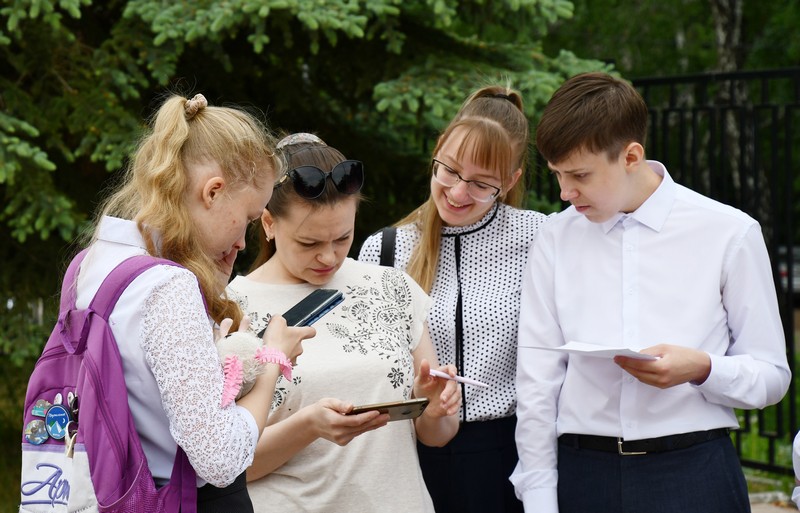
[[172, 370]]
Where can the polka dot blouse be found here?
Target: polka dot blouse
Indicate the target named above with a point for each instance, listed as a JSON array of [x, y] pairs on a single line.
[[483, 263]]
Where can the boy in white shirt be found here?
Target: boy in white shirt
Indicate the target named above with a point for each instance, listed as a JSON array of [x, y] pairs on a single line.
[[641, 262]]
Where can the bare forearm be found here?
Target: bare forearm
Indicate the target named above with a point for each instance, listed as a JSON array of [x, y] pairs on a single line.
[[436, 431], [280, 442], [259, 399]]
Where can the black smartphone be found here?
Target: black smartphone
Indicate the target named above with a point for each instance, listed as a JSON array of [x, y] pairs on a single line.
[[397, 410], [309, 309]]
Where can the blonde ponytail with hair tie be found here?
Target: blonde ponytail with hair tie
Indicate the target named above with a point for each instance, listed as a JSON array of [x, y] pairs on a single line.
[[194, 105]]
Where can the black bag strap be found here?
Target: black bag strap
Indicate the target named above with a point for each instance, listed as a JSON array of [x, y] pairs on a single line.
[[388, 236]]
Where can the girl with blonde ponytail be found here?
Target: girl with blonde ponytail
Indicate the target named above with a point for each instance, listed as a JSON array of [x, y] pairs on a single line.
[[199, 176]]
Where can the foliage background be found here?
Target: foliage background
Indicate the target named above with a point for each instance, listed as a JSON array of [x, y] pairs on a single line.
[[376, 78]]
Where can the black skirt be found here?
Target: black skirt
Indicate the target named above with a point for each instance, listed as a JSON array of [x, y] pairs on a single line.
[[470, 474], [232, 498]]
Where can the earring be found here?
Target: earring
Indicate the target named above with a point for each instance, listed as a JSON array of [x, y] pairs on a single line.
[[269, 238]]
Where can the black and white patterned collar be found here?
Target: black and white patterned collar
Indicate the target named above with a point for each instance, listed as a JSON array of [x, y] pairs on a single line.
[[452, 231]]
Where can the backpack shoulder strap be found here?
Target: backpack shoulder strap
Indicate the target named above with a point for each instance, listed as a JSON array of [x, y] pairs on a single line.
[[388, 237], [180, 494], [69, 286], [118, 280]]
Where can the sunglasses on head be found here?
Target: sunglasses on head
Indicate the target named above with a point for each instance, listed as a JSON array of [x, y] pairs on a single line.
[[309, 181]]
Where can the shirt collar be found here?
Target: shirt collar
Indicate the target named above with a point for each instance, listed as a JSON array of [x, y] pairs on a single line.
[[122, 231], [449, 231], [654, 211]]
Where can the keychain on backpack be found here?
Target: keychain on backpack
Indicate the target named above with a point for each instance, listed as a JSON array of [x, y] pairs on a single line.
[[72, 427], [72, 435], [72, 401]]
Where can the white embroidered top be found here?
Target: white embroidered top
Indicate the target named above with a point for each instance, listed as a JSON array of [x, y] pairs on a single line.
[[172, 370], [362, 353]]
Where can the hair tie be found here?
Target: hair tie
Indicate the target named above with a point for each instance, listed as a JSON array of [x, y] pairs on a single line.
[[266, 354], [298, 138], [503, 96], [193, 106]]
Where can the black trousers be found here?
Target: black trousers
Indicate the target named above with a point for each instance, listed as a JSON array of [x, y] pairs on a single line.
[[470, 474], [231, 499], [703, 478]]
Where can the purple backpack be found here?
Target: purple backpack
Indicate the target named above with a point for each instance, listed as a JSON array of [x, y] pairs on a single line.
[[80, 448]]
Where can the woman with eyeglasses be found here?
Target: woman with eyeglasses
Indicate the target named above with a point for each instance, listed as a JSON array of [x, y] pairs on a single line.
[[467, 246], [372, 348]]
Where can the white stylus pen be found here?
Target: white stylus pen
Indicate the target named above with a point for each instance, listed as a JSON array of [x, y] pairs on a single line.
[[460, 379]]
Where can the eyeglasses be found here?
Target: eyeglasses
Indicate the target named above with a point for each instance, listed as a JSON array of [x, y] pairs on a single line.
[[477, 190], [309, 181]]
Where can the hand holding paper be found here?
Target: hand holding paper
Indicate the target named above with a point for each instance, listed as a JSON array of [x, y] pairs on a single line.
[[676, 365]]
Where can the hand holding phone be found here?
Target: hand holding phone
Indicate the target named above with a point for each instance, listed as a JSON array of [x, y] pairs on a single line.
[[309, 309], [286, 339], [397, 410]]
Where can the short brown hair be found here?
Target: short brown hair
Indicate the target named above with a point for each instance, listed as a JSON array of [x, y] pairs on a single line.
[[594, 112]]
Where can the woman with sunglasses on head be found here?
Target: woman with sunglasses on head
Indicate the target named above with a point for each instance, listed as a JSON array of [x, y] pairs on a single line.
[[371, 348], [467, 245]]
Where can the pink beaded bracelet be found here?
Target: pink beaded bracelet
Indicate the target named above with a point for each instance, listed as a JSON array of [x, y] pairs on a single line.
[[266, 354]]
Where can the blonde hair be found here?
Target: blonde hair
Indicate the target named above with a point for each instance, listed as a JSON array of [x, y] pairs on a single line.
[[153, 190], [496, 136]]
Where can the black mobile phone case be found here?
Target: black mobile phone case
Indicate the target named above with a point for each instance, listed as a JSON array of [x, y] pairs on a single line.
[[311, 308]]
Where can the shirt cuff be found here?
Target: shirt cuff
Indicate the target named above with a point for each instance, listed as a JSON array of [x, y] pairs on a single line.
[[721, 375], [540, 500]]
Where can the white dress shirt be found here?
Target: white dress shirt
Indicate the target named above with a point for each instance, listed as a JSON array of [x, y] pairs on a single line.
[[682, 269], [172, 371]]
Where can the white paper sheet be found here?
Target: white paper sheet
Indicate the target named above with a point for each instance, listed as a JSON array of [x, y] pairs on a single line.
[[597, 350]]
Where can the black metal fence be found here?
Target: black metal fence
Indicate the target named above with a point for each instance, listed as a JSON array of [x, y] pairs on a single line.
[[734, 137]]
